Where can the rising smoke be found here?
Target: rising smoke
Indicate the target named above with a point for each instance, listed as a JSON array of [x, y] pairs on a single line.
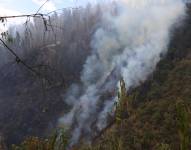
[[129, 45]]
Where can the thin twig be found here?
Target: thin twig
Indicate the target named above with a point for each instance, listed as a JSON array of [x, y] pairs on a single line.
[[41, 7]]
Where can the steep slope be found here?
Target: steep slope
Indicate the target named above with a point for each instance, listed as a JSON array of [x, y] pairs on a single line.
[[30, 104], [153, 121]]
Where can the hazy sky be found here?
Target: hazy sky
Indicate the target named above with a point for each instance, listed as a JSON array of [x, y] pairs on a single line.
[[18, 7], [31, 6]]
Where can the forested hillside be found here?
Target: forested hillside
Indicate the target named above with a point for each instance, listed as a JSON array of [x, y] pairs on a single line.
[[30, 104], [151, 113]]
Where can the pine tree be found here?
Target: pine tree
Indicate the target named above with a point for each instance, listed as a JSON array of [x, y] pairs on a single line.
[[121, 108], [183, 125]]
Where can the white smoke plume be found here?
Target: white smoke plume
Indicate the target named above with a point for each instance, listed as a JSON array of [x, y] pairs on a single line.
[[128, 45]]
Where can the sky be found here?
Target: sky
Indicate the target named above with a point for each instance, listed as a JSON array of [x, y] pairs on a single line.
[[18, 7], [31, 6]]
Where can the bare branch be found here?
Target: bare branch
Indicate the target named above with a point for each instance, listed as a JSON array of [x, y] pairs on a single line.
[[41, 7], [39, 15]]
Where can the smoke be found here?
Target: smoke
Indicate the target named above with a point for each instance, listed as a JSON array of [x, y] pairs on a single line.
[[129, 45]]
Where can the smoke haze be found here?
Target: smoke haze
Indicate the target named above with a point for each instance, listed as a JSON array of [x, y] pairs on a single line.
[[129, 43]]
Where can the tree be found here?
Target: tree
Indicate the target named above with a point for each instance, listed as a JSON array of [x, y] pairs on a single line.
[[183, 125], [121, 108]]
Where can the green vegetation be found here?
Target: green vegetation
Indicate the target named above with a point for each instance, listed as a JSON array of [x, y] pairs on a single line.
[[121, 108], [183, 125]]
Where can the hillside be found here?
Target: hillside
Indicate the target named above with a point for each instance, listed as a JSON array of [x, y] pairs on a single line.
[[152, 112], [31, 104], [153, 121]]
